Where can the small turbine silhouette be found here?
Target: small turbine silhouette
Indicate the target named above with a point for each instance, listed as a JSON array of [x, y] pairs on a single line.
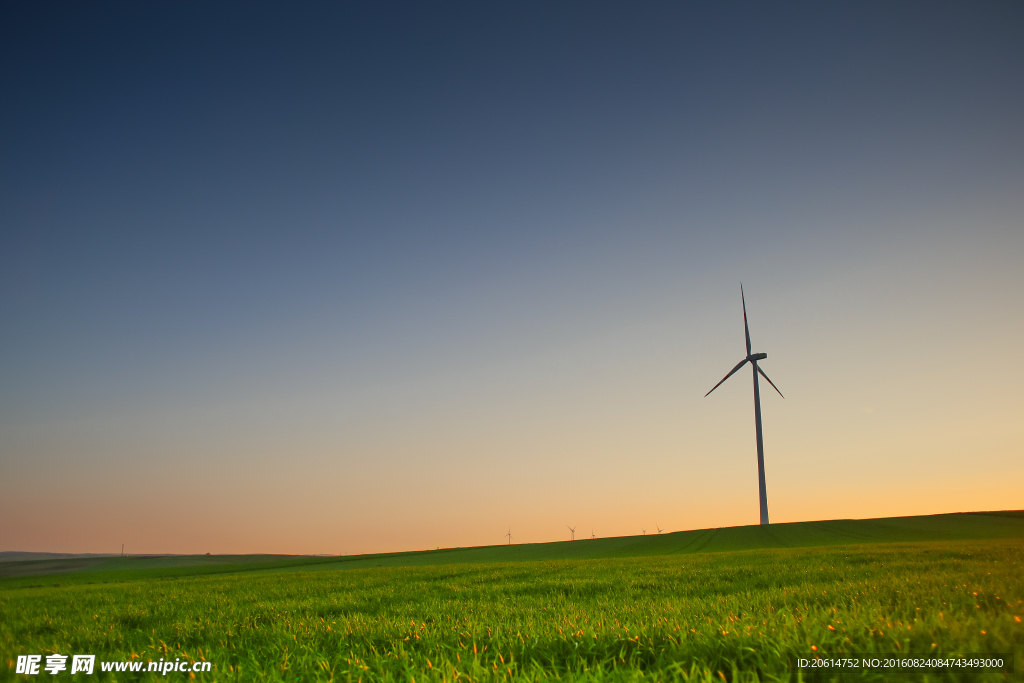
[[659, 528], [509, 534], [752, 358], [572, 530]]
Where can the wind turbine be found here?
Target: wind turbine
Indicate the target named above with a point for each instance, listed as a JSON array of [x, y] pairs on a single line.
[[592, 534], [509, 534], [572, 530], [752, 358], [659, 528], [643, 530]]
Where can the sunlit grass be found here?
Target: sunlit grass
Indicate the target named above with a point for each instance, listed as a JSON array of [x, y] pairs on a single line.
[[737, 616]]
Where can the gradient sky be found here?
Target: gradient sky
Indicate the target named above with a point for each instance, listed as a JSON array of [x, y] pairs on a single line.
[[340, 279]]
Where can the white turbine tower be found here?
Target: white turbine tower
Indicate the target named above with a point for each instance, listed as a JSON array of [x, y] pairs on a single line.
[[509, 534], [572, 530], [752, 358]]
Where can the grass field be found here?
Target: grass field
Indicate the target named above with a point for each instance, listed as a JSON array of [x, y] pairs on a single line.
[[950, 527], [682, 614]]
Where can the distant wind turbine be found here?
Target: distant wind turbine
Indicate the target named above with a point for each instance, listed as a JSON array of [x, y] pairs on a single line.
[[659, 528], [572, 530], [592, 534], [509, 534], [643, 530], [752, 358]]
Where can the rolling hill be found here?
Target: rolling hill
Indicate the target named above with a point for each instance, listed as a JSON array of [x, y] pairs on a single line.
[[946, 527]]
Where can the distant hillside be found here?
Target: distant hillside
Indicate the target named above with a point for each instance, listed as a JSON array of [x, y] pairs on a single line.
[[13, 555], [948, 527]]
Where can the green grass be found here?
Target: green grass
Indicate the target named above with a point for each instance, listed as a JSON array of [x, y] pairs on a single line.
[[120, 570], [959, 526], [740, 615]]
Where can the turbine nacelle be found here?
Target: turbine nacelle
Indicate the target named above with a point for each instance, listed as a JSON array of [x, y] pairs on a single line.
[[757, 356]]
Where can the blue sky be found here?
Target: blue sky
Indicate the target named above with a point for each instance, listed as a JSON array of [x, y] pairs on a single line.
[[476, 267]]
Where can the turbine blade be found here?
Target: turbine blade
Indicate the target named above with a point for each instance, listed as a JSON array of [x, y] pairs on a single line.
[[731, 373], [746, 329], [767, 378]]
